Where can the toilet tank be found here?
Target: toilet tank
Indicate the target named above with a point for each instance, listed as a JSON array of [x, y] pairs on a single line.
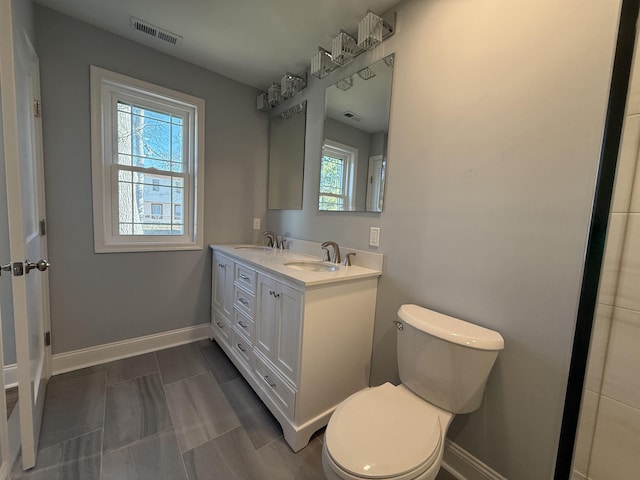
[[443, 359]]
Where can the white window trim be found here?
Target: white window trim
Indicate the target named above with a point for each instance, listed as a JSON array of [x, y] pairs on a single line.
[[104, 85], [350, 154]]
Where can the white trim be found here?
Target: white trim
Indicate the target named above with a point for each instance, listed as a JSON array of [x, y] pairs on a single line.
[[87, 357], [10, 376], [464, 466], [349, 154], [4, 471]]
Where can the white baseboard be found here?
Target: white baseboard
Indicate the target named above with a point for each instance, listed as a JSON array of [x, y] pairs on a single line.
[[87, 357], [464, 466], [11, 375]]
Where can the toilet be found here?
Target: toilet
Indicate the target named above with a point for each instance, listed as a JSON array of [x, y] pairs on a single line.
[[397, 432]]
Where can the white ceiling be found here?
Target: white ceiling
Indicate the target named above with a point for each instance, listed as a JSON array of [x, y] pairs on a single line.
[[252, 41]]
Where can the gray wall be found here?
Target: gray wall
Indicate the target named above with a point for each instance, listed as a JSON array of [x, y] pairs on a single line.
[[497, 116], [96, 299]]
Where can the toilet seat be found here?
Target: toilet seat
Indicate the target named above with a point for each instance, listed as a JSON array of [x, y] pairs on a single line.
[[384, 432]]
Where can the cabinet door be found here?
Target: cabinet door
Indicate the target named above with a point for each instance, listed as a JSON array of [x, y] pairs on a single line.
[[266, 316], [288, 322], [222, 288], [278, 326]]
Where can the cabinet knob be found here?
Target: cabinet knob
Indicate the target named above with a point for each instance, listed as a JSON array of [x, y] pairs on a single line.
[[241, 348]]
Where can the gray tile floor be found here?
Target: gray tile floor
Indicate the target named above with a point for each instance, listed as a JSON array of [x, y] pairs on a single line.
[[180, 413]]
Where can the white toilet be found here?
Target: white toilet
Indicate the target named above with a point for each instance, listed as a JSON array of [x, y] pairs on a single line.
[[397, 432]]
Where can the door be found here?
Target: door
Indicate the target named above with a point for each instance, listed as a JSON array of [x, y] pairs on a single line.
[[223, 285], [20, 89], [288, 327], [266, 316], [376, 183]]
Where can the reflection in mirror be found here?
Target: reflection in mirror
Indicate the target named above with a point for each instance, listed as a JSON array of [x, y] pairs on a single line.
[[354, 151], [286, 158]]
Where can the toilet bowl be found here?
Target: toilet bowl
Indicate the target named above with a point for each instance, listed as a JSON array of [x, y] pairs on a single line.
[[398, 432], [385, 432]]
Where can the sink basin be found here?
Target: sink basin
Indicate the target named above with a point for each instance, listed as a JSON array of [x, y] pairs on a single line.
[[313, 266], [259, 248]]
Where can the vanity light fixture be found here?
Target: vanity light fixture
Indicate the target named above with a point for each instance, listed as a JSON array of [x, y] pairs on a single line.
[[262, 102], [344, 48], [298, 108], [322, 63], [291, 84], [388, 60], [373, 29], [367, 73], [274, 94], [345, 84]]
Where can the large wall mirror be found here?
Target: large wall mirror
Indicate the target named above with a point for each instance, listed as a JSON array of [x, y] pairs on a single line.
[[286, 158], [354, 151]]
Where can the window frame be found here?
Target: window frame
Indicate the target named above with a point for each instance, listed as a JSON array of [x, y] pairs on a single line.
[[106, 89], [349, 155]]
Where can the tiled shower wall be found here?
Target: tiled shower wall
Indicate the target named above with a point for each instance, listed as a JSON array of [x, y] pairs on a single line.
[[608, 442]]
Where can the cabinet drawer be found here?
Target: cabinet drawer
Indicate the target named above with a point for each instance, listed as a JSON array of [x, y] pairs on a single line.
[[277, 389], [246, 278], [220, 327], [244, 301], [243, 324], [242, 348]]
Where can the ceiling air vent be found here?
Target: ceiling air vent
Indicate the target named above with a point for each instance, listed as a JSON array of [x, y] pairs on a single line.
[[352, 116], [152, 30]]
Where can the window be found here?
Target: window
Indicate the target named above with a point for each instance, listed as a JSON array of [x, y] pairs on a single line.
[[177, 212], [147, 147], [337, 176], [156, 211]]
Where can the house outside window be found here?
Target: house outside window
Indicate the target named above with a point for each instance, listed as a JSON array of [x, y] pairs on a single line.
[[156, 211], [148, 144]]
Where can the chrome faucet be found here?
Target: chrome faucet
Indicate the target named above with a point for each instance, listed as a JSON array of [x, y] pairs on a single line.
[[271, 238], [336, 251]]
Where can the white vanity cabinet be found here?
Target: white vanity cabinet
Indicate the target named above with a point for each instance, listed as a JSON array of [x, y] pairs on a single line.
[[303, 345]]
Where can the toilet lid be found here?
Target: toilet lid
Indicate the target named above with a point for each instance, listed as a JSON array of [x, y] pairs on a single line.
[[383, 432]]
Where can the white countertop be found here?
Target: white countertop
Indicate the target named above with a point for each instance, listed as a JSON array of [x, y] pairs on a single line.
[[275, 260]]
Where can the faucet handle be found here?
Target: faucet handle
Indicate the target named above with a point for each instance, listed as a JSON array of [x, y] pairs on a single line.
[[347, 258]]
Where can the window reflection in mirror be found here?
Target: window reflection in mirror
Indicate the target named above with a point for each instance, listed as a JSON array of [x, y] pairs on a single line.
[[356, 126], [286, 158]]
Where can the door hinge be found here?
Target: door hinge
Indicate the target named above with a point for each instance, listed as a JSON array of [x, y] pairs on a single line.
[[43, 227], [37, 108], [47, 339]]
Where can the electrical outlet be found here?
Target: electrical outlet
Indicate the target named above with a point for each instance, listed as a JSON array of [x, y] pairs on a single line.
[[374, 236], [256, 224]]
